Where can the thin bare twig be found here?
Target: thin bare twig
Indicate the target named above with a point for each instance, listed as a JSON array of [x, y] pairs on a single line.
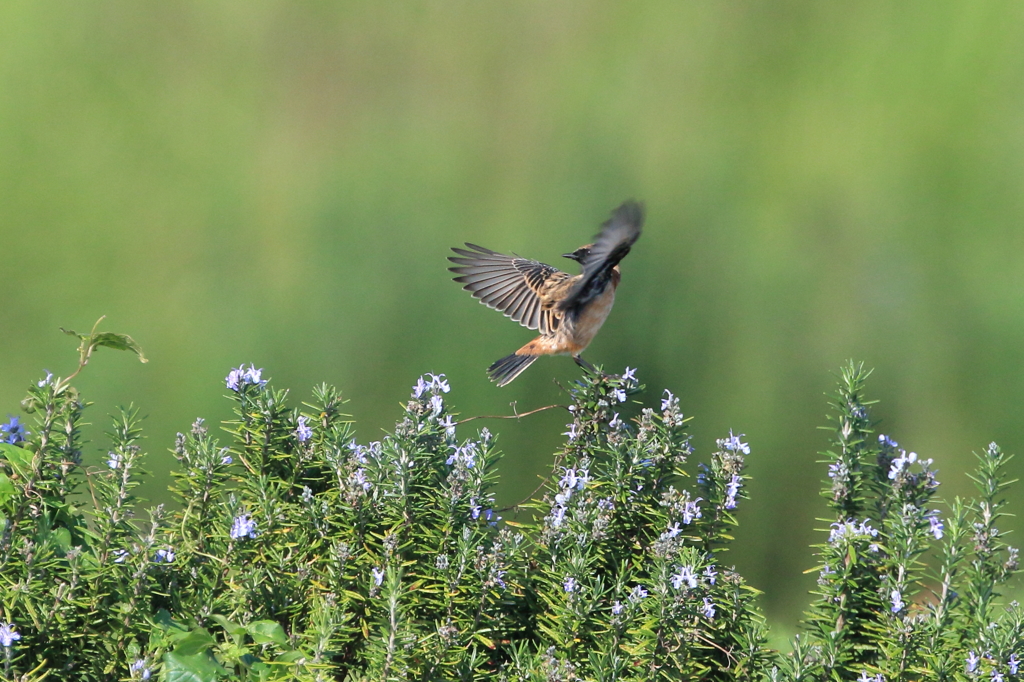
[[511, 416]]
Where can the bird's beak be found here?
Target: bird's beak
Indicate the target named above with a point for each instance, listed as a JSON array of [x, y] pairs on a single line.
[[571, 256]]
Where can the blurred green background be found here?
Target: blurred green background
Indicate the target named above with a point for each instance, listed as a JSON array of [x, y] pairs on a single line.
[[279, 183]]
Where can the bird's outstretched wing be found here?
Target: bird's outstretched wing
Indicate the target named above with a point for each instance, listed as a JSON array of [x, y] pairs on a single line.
[[613, 243], [510, 284]]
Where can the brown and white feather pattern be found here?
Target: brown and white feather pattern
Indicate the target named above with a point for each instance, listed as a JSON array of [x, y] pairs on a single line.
[[520, 288], [567, 310]]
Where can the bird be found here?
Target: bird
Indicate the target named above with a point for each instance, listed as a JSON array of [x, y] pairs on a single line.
[[567, 310]]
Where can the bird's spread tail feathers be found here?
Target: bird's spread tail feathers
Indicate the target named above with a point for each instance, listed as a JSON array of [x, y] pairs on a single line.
[[508, 368]]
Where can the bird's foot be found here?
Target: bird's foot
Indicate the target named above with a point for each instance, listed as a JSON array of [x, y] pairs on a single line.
[[589, 368]]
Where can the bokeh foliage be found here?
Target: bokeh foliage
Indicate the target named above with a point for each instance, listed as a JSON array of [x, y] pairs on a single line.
[[279, 183]]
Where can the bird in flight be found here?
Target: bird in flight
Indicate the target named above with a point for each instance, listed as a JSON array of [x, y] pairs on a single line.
[[567, 310]]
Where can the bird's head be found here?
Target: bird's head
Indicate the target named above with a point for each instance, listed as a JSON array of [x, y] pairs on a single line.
[[580, 254]]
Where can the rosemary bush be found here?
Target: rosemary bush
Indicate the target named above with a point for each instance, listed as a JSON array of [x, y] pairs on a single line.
[[296, 553]]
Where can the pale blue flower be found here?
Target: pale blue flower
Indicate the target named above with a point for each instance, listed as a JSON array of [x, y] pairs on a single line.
[[165, 555], [8, 635], [378, 576], [449, 426], [359, 478], [243, 376], [685, 575], [691, 511], [420, 388], [735, 443], [710, 574], [972, 661], [303, 432], [138, 669], [439, 383], [14, 432], [936, 526], [708, 609], [897, 601], [731, 490], [849, 530], [243, 527]]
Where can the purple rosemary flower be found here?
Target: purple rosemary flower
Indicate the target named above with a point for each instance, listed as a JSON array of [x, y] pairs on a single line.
[[240, 377], [691, 511], [936, 527], [8, 635], [139, 670], [685, 575], [13, 432], [731, 490], [637, 594], [710, 574], [734, 443], [243, 527], [897, 601], [303, 432]]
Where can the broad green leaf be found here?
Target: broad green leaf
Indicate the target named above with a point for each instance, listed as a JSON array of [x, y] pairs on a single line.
[[19, 458], [195, 642], [293, 656], [264, 631], [174, 629], [198, 668], [230, 627], [62, 538], [7, 489], [117, 342]]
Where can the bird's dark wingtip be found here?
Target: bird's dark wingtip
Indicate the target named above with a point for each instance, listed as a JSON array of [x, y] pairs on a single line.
[[631, 211]]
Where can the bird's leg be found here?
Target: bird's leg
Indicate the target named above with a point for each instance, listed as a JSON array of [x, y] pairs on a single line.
[[587, 366]]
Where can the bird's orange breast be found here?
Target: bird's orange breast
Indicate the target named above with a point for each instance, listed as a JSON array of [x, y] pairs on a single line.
[[590, 320]]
